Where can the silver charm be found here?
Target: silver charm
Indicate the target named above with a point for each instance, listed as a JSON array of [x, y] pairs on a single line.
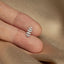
[[28, 33]]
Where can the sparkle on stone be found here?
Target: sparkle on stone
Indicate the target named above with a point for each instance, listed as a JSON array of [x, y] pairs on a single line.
[[28, 33]]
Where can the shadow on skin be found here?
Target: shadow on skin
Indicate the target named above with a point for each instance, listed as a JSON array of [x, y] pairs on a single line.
[[47, 62]]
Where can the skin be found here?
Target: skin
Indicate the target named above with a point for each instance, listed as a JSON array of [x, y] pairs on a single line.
[[13, 27]]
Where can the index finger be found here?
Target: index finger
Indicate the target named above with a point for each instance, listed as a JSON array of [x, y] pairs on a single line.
[[18, 19]]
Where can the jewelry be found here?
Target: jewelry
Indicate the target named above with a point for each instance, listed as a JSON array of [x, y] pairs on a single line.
[[28, 33]]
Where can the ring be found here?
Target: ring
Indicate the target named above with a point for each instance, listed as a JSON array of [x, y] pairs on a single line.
[[29, 31]]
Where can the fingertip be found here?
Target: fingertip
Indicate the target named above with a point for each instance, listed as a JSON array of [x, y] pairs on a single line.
[[37, 30], [36, 45], [37, 49], [24, 21]]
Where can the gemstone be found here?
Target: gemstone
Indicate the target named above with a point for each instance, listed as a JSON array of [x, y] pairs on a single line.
[[27, 35], [28, 32]]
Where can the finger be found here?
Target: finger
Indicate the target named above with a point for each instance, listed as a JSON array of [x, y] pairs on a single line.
[[18, 19], [18, 37]]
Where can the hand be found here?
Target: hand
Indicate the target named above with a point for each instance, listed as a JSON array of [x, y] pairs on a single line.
[[13, 27]]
